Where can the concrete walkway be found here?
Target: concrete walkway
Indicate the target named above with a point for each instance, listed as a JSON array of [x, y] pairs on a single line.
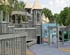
[[46, 50]]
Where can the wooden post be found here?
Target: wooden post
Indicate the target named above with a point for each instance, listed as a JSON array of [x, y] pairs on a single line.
[[49, 35], [63, 36], [3, 47], [57, 34], [7, 18], [23, 50], [21, 19], [26, 20], [68, 32], [41, 26], [0, 47], [15, 19], [11, 20], [12, 47], [15, 46], [1, 16]]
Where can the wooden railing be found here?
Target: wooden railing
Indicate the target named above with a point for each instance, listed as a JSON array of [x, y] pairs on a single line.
[[13, 44]]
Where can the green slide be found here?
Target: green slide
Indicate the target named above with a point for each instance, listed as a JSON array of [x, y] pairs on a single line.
[[65, 35]]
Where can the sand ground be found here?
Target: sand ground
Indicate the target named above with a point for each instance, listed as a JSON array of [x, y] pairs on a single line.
[[65, 49], [28, 52], [17, 52]]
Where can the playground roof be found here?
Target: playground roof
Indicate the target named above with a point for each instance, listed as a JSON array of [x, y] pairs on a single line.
[[45, 19], [28, 5], [37, 5], [20, 13], [43, 16]]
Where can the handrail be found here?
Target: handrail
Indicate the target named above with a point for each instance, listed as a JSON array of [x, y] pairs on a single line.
[[9, 36], [23, 28]]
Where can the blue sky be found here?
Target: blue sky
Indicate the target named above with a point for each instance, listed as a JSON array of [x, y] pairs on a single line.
[[54, 5]]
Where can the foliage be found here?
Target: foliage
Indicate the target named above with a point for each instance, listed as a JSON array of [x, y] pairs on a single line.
[[19, 6], [56, 18], [13, 5], [64, 16]]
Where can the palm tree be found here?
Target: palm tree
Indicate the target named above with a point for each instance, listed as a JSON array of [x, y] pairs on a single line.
[[19, 5], [4, 7], [9, 5]]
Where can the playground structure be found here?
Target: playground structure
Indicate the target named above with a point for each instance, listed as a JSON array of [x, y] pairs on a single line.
[[28, 21], [32, 25], [55, 35], [48, 31]]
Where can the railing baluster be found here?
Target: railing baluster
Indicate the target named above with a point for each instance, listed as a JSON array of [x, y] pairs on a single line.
[[16, 46], [7, 45], [23, 44], [1, 47], [13, 47]]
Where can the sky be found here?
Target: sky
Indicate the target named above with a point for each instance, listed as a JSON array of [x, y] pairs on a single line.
[[54, 5]]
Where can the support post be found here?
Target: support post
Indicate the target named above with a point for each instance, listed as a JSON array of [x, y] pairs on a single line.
[[1, 16], [63, 36], [57, 34], [49, 36]]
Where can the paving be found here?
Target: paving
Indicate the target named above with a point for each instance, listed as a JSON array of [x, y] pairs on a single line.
[[46, 50]]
